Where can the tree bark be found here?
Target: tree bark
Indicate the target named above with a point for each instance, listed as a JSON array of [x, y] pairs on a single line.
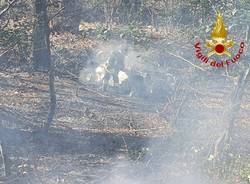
[[52, 106], [72, 15], [41, 54], [4, 167], [41, 43]]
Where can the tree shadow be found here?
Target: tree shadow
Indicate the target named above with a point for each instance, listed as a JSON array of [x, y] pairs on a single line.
[[60, 141]]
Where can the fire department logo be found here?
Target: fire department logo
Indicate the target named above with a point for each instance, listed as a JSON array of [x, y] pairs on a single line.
[[219, 45]]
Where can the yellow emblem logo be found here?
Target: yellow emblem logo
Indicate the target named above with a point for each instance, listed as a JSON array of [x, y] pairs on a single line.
[[219, 44]]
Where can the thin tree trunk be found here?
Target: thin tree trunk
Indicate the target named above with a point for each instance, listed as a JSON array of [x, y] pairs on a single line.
[[4, 167], [72, 15], [235, 102], [41, 44], [42, 56], [52, 106], [234, 108]]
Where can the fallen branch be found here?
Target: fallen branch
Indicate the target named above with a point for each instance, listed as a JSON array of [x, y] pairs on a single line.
[[187, 61], [4, 52]]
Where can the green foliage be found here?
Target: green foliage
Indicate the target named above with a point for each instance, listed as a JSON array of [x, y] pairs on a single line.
[[94, 3], [231, 167], [138, 153], [134, 33], [245, 173], [102, 32]]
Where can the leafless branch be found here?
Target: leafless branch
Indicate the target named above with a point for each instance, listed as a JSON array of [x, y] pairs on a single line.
[[247, 33], [3, 160], [7, 50], [56, 14], [12, 3], [187, 61]]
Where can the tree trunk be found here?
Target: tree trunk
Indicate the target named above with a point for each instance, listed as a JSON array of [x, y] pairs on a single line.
[[4, 165], [72, 15], [41, 43], [236, 99], [41, 53], [52, 106]]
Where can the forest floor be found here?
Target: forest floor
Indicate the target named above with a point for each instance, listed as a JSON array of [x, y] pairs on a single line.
[[97, 136], [90, 129], [105, 138]]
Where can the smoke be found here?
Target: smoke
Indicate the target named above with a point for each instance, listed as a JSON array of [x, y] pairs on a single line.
[[100, 56], [164, 163], [179, 159], [162, 171], [136, 60], [124, 173]]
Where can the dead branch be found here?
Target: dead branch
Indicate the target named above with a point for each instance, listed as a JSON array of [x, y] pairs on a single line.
[[247, 33], [7, 50], [4, 166], [185, 60], [56, 14], [183, 100], [125, 144], [11, 4]]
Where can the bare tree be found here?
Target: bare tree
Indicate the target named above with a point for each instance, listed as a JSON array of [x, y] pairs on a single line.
[[41, 53], [41, 43], [72, 15], [4, 165], [109, 9]]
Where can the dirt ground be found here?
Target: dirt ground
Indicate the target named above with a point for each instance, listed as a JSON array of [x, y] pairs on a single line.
[[96, 136], [92, 131], [89, 132]]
